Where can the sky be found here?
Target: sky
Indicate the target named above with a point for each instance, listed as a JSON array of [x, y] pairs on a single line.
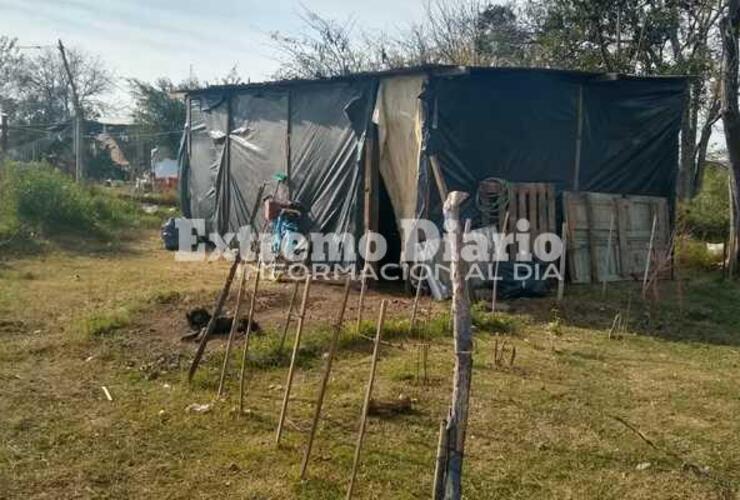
[[148, 39]]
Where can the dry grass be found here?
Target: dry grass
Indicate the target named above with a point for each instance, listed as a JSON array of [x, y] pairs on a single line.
[[71, 323]]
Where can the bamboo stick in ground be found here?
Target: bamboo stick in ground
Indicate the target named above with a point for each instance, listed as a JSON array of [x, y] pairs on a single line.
[[495, 265], [234, 326], [366, 404], [212, 323], [325, 377], [363, 284], [608, 258], [294, 356], [440, 465], [561, 270], [247, 335], [468, 286], [649, 256], [415, 308], [288, 316]]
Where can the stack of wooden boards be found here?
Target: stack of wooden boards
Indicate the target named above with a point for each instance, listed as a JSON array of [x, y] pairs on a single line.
[[592, 255]]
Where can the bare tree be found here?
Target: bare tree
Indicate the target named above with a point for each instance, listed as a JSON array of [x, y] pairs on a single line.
[[324, 48], [44, 91], [10, 63]]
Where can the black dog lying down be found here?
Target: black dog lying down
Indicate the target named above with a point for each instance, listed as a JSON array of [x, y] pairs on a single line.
[[199, 318]]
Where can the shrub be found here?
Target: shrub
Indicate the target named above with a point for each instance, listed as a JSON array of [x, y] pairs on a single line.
[[707, 215], [693, 254], [37, 198]]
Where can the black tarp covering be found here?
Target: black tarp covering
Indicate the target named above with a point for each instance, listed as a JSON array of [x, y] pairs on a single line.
[[328, 124], [521, 125], [630, 136], [327, 131], [202, 160], [258, 142]]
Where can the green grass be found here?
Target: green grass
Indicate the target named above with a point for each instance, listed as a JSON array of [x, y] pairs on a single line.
[[38, 204], [101, 323], [542, 428]]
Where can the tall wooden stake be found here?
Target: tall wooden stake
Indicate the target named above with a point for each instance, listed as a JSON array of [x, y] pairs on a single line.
[[234, 326], [732, 238], [463, 335], [248, 336], [440, 462], [468, 284], [289, 316], [608, 258], [294, 356], [3, 138], [649, 256], [561, 270], [366, 403], [212, 323], [224, 294], [502, 230], [363, 284], [415, 308], [325, 377]]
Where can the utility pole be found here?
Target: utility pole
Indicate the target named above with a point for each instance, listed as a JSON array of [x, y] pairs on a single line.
[[79, 119]]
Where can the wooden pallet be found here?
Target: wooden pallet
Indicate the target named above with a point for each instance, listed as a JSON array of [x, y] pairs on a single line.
[[589, 217], [533, 201]]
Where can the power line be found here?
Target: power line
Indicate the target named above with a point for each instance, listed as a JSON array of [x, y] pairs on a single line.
[[135, 135]]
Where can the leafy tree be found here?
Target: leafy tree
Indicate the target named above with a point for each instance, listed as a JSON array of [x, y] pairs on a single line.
[[648, 37], [159, 111], [325, 47]]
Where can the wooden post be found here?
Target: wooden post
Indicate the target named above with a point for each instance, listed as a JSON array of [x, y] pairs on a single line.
[[288, 316], [468, 286], [3, 138], [366, 403], [223, 296], [415, 308], [234, 326], [732, 237], [495, 265], [608, 258], [440, 463], [649, 255], [363, 284], [212, 323], [463, 335], [561, 270], [248, 336], [590, 230], [438, 177], [288, 151], [579, 140], [325, 377], [294, 356]]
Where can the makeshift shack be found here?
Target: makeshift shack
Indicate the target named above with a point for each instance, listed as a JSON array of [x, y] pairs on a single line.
[[360, 152]]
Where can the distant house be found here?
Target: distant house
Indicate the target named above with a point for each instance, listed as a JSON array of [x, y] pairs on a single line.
[[164, 168]]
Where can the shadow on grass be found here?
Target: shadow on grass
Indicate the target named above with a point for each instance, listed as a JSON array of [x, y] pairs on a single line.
[[701, 308], [121, 243]]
